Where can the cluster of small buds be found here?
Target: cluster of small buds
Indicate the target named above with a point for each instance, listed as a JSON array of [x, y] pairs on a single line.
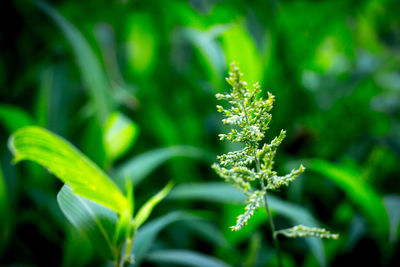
[[305, 231], [249, 117], [254, 201]]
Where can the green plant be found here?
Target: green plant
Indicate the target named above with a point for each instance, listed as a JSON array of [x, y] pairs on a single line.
[[90, 199], [251, 168]]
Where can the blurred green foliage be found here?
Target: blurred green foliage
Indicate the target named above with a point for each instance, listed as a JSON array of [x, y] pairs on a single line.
[[132, 85]]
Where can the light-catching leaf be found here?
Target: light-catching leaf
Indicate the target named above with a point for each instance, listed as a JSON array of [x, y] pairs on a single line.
[[68, 164], [358, 190], [91, 219], [145, 211], [185, 258], [119, 134], [140, 166], [93, 74]]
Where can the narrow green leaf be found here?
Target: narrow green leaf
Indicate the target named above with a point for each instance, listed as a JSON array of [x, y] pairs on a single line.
[[212, 191], [12, 118], [68, 164], [358, 190], [120, 133], [145, 211], [392, 204], [141, 166], [91, 70], [185, 258], [148, 232], [91, 219], [210, 51]]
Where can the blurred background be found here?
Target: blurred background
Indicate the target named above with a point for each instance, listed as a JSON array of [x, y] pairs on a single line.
[[132, 85]]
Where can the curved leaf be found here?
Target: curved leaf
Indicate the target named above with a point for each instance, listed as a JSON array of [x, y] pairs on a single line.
[[91, 70], [145, 211], [90, 218], [146, 235], [68, 164], [140, 166], [358, 190], [212, 191], [185, 258]]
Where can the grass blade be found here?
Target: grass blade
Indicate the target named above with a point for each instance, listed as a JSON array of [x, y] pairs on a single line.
[[185, 258], [145, 211], [68, 164], [90, 218], [147, 234], [92, 72], [141, 166], [358, 190]]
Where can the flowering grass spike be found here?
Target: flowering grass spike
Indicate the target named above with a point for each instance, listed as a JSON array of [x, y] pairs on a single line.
[[249, 117], [251, 168]]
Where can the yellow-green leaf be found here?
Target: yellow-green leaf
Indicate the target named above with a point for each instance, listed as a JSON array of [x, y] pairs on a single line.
[[67, 163], [145, 211]]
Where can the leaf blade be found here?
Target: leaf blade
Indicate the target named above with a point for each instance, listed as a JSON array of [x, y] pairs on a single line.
[[68, 164], [185, 258], [91, 219], [145, 211]]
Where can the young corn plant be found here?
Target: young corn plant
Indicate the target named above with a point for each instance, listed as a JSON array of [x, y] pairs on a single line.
[[251, 168], [90, 200]]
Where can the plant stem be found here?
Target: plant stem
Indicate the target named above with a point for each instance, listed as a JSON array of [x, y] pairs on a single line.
[[271, 221], [272, 226]]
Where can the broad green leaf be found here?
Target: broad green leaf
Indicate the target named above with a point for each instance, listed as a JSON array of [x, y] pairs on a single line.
[[12, 118], [120, 133], [184, 258], [148, 232], [392, 204], [226, 193], [68, 164], [239, 47], [357, 190], [91, 70], [91, 219], [140, 166], [145, 211]]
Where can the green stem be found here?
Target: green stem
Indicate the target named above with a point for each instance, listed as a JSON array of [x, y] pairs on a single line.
[[272, 226]]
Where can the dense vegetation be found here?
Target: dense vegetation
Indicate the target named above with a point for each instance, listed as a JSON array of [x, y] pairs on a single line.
[[131, 84]]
